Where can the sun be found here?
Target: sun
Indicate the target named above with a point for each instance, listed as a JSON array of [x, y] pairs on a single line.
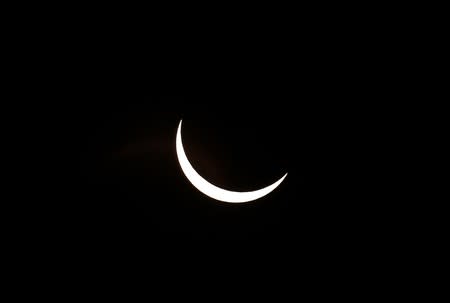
[[211, 190]]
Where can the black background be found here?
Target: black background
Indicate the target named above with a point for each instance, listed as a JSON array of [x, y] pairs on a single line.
[[303, 100], [242, 131]]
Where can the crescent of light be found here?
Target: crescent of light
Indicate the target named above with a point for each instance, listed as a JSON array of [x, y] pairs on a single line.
[[213, 191]]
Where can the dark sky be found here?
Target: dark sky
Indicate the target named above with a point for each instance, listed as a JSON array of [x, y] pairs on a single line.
[[323, 92], [253, 110], [241, 133]]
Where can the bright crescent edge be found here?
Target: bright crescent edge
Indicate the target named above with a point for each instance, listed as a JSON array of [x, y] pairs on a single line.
[[210, 189]]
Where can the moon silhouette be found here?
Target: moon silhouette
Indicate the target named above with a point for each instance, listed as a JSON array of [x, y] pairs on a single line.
[[211, 190]]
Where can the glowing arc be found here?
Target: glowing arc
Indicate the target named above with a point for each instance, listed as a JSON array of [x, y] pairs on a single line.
[[210, 189]]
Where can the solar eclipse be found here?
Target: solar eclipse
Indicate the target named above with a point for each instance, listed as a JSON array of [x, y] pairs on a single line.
[[211, 190]]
